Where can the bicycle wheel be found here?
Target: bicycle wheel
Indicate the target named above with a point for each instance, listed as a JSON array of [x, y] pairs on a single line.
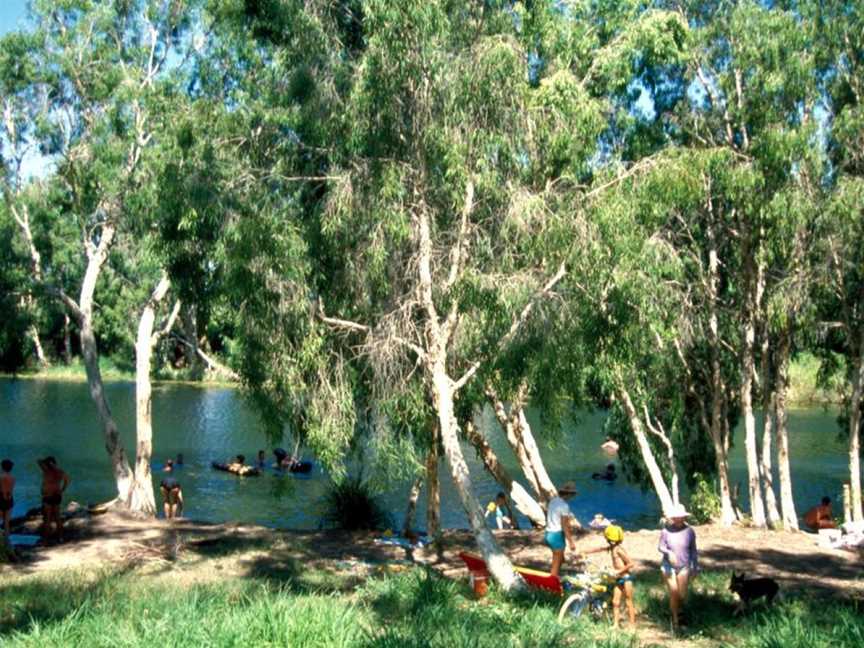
[[574, 605]]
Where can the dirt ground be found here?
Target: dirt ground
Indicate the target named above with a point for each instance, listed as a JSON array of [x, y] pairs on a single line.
[[793, 559]]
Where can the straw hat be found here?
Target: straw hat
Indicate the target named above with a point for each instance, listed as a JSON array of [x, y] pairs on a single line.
[[567, 488], [677, 511]]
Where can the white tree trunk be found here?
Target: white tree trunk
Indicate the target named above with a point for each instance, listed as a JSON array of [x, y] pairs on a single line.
[[141, 498], [90, 354], [525, 437], [719, 438], [787, 503], [757, 506], [654, 472], [499, 565], [854, 434], [768, 422], [507, 423], [526, 504]]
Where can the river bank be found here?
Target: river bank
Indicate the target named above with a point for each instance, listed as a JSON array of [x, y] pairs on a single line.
[[804, 390], [243, 579]]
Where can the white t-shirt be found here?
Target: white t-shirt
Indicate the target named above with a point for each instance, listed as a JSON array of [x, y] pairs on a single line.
[[558, 508]]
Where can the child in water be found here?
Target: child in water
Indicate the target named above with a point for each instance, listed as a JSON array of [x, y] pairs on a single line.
[[622, 565]]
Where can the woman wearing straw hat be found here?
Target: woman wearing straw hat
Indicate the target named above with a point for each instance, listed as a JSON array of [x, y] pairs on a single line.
[[680, 557], [558, 532]]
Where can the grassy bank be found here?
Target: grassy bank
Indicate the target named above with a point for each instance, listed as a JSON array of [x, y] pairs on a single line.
[[411, 608], [803, 388], [114, 372]]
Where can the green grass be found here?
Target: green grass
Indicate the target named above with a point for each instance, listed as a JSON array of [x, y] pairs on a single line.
[[408, 609], [803, 387], [116, 372]]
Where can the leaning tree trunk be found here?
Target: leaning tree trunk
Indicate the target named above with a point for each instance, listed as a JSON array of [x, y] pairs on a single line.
[[190, 350], [854, 433], [525, 438], [141, 497], [654, 472], [120, 464], [497, 562], [787, 503], [433, 491], [507, 423], [526, 504]]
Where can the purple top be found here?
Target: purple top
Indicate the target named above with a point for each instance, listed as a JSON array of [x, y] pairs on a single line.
[[682, 543]]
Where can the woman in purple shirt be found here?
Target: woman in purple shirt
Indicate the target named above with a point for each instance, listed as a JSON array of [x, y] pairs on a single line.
[[680, 558]]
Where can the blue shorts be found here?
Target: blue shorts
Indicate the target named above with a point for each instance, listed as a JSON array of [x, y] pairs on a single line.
[[555, 540]]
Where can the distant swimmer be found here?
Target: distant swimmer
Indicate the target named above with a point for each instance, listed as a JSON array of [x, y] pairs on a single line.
[[261, 462], [608, 475], [609, 446]]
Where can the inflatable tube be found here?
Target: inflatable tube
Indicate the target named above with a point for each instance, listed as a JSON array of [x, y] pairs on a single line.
[[248, 471]]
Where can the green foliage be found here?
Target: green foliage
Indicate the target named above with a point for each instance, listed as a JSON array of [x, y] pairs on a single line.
[[704, 501], [351, 505]]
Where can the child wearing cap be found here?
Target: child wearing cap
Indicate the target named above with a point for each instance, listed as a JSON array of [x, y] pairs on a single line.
[[622, 565]]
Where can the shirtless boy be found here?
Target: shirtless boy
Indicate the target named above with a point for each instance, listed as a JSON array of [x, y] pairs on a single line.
[[54, 482], [7, 485], [172, 494], [622, 565]]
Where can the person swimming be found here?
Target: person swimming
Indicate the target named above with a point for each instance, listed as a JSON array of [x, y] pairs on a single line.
[[608, 475]]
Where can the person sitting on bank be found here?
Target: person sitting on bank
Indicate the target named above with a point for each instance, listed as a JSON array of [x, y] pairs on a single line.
[[7, 501], [497, 507], [820, 516], [172, 494], [54, 483], [608, 475]]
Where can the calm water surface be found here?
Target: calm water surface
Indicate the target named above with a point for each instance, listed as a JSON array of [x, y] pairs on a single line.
[[51, 417]]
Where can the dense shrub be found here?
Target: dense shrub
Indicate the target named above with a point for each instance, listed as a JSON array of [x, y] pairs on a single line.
[[351, 505]]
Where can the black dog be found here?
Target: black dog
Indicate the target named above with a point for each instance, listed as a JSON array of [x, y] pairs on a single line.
[[750, 589]]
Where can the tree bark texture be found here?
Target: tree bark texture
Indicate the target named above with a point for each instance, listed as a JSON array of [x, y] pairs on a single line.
[[768, 411], [522, 499], [411, 509], [787, 504], [525, 438], [90, 353], [433, 494], [141, 498], [499, 565], [757, 506], [719, 437]]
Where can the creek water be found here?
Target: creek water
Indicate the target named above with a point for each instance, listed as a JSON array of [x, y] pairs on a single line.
[[39, 417]]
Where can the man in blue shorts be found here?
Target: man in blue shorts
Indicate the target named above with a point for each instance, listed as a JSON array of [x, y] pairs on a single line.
[[558, 531]]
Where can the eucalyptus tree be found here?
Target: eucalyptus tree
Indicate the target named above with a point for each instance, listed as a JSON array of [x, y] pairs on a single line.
[[94, 80], [429, 218], [837, 29], [753, 94]]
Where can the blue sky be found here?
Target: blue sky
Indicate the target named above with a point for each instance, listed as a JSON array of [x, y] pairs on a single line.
[[12, 13]]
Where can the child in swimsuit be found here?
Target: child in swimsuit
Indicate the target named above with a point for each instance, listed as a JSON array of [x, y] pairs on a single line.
[[622, 565], [7, 485], [172, 495], [54, 483]]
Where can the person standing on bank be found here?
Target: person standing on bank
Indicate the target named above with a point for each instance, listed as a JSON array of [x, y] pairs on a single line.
[[680, 558], [172, 495], [7, 500], [558, 530], [54, 483]]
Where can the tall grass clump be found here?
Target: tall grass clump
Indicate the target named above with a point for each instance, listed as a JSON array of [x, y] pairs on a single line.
[[351, 505]]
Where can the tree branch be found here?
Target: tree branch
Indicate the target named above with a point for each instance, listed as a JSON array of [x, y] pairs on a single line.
[[516, 325]]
